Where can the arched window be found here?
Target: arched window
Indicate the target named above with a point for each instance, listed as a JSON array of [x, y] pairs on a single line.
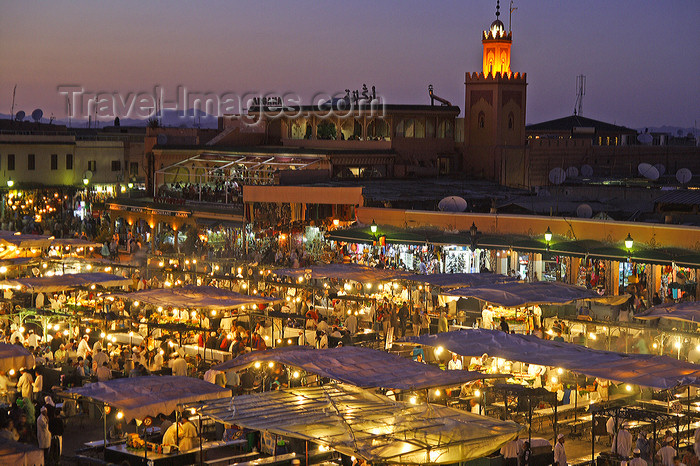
[[511, 121], [481, 120]]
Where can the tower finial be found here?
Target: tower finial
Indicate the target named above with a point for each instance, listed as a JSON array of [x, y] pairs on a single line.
[[498, 8]]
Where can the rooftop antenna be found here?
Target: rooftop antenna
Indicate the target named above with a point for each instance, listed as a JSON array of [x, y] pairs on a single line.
[[12, 110], [580, 92], [510, 15]]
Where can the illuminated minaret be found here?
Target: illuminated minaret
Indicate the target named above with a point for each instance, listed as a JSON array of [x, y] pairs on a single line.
[[497, 42], [494, 111]]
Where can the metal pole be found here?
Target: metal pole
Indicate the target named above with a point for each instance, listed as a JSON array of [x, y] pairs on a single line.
[[104, 445], [653, 453], [529, 421], [593, 437], [556, 421], [689, 414]]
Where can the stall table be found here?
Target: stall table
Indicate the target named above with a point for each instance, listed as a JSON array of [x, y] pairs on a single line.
[[119, 453]]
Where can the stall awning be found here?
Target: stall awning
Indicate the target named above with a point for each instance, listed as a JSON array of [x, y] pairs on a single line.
[[66, 281], [138, 397], [13, 239], [362, 367], [19, 453], [14, 357], [688, 311], [659, 372], [360, 423], [358, 273], [194, 297], [459, 280], [517, 294], [75, 243]]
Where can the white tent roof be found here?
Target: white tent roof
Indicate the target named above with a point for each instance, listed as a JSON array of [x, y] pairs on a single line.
[[458, 280], [358, 273], [11, 238], [517, 294], [647, 370], [138, 397], [14, 357], [359, 366], [359, 422], [66, 281], [20, 453], [195, 297], [687, 311]]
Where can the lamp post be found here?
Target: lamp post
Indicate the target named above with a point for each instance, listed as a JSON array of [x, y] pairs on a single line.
[[10, 183], [373, 227], [629, 242], [548, 237]]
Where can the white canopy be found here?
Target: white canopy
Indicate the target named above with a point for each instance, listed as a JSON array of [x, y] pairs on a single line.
[[517, 294], [138, 397], [358, 273], [459, 280], [687, 311], [18, 240], [66, 281], [20, 453], [195, 297], [647, 370], [14, 357], [359, 366], [365, 424]]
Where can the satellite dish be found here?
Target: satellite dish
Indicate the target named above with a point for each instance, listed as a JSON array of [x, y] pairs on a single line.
[[20, 115], [660, 167], [37, 114], [452, 204], [648, 171], [684, 175], [162, 139], [586, 171], [557, 175], [543, 193], [572, 172], [584, 211], [645, 138]]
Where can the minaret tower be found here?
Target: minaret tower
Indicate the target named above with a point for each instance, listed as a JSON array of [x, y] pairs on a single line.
[[494, 111], [497, 42]]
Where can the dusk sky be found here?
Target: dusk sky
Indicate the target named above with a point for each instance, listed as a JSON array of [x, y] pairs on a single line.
[[641, 58]]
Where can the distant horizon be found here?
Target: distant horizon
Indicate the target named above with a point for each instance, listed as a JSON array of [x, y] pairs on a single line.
[[211, 122], [639, 56]]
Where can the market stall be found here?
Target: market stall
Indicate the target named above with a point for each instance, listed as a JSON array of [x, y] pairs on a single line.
[[518, 302], [355, 365], [20, 453], [687, 311], [59, 283], [12, 357], [142, 398], [659, 372], [367, 425], [208, 298]]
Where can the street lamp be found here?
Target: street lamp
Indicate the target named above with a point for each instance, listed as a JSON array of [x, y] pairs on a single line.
[[10, 183], [629, 242], [86, 181], [373, 227], [548, 237]]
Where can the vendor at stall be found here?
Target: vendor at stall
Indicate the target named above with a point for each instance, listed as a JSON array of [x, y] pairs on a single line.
[[188, 435]]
